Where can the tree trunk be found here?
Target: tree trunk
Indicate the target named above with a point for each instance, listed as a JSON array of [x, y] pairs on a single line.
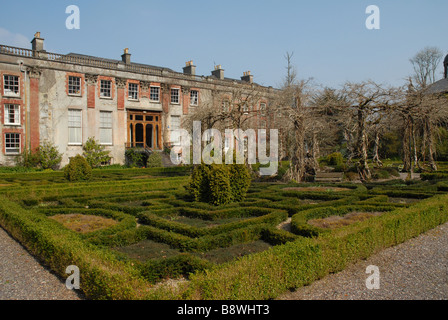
[[376, 156], [296, 169], [363, 166]]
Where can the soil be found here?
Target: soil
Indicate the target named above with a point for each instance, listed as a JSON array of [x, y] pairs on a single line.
[[333, 222], [316, 189]]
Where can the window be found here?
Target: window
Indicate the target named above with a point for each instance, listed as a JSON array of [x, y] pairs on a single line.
[[194, 97], [74, 85], [11, 85], [106, 89], [12, 114], [74, 127], [225, 106], [106, 127], [175, 125], [263, 109], [133, 91], [12, 143], [175, 96], [154, 94]]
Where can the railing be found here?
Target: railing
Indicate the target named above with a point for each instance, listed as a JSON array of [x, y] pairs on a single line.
[[98, 62]]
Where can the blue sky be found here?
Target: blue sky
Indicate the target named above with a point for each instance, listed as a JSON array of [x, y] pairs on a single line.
[[329, 38]]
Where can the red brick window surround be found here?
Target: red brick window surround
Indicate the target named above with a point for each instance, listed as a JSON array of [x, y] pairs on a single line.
[[106, 87], [12, 141], [74, 84]]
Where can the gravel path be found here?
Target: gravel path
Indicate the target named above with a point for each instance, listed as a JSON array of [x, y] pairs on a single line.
[[414, 270], [22, 277]]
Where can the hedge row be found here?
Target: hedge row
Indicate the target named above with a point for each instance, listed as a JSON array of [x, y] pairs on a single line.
[[273, 218], [205, 243]]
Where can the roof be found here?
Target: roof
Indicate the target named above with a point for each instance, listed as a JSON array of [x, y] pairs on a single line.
[[438, 86], [116, 61]]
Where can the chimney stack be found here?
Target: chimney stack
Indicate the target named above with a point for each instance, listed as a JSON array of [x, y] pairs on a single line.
[[37, 43], [190, 68], [247, 77], [126, 56], [218, 72]]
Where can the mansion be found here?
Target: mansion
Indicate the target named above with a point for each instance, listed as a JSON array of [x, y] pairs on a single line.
[[67, 98]]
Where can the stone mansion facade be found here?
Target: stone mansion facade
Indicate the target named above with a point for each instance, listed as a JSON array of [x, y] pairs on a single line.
[[66, 99]]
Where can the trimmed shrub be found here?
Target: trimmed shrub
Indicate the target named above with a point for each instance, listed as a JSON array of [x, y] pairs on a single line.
[[154, 160], [78, 169], [94, 153], [219, 184]]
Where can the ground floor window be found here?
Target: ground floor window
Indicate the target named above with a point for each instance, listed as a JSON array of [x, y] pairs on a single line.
[[106, 127], [75, 127]]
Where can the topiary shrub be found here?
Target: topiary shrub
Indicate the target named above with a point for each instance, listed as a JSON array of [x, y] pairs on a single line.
[[49, 156], [240, 180], [94, 153], [219, 183], [154, 160], [78, 169]]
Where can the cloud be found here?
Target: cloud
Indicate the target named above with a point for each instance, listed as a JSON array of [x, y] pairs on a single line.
[[13, 39]]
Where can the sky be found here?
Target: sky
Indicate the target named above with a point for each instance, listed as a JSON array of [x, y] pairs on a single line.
[[329, 39]]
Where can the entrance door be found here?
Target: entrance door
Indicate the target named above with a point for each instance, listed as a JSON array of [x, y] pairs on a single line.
[[144, 130]]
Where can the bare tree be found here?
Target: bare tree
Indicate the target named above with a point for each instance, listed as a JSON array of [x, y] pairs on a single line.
[[425, 64]]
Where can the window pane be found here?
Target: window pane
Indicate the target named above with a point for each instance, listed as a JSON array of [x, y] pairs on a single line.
[[105, 127], [11, 85], [105, 88], [12, 143], [74, 85], [74, 126], [154, 93], [174, 95], [12, 114]]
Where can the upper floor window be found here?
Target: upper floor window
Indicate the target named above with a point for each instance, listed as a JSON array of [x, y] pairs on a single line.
[[133, 91], [11, 85], [154, 94], [225, 106], [12, 114], [74, 85], [175, 95], [106, 89], [263, 109], [12, 143], [194, 97]]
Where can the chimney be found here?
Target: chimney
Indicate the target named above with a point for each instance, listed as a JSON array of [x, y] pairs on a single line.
[[37, 43], [126, 56], [218, 72], [247, 77], [190, 68]]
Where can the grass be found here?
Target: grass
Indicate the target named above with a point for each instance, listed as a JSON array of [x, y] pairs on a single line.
[[83, 223]]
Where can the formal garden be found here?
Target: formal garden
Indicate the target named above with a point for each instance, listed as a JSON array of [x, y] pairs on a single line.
[[140, 233]]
